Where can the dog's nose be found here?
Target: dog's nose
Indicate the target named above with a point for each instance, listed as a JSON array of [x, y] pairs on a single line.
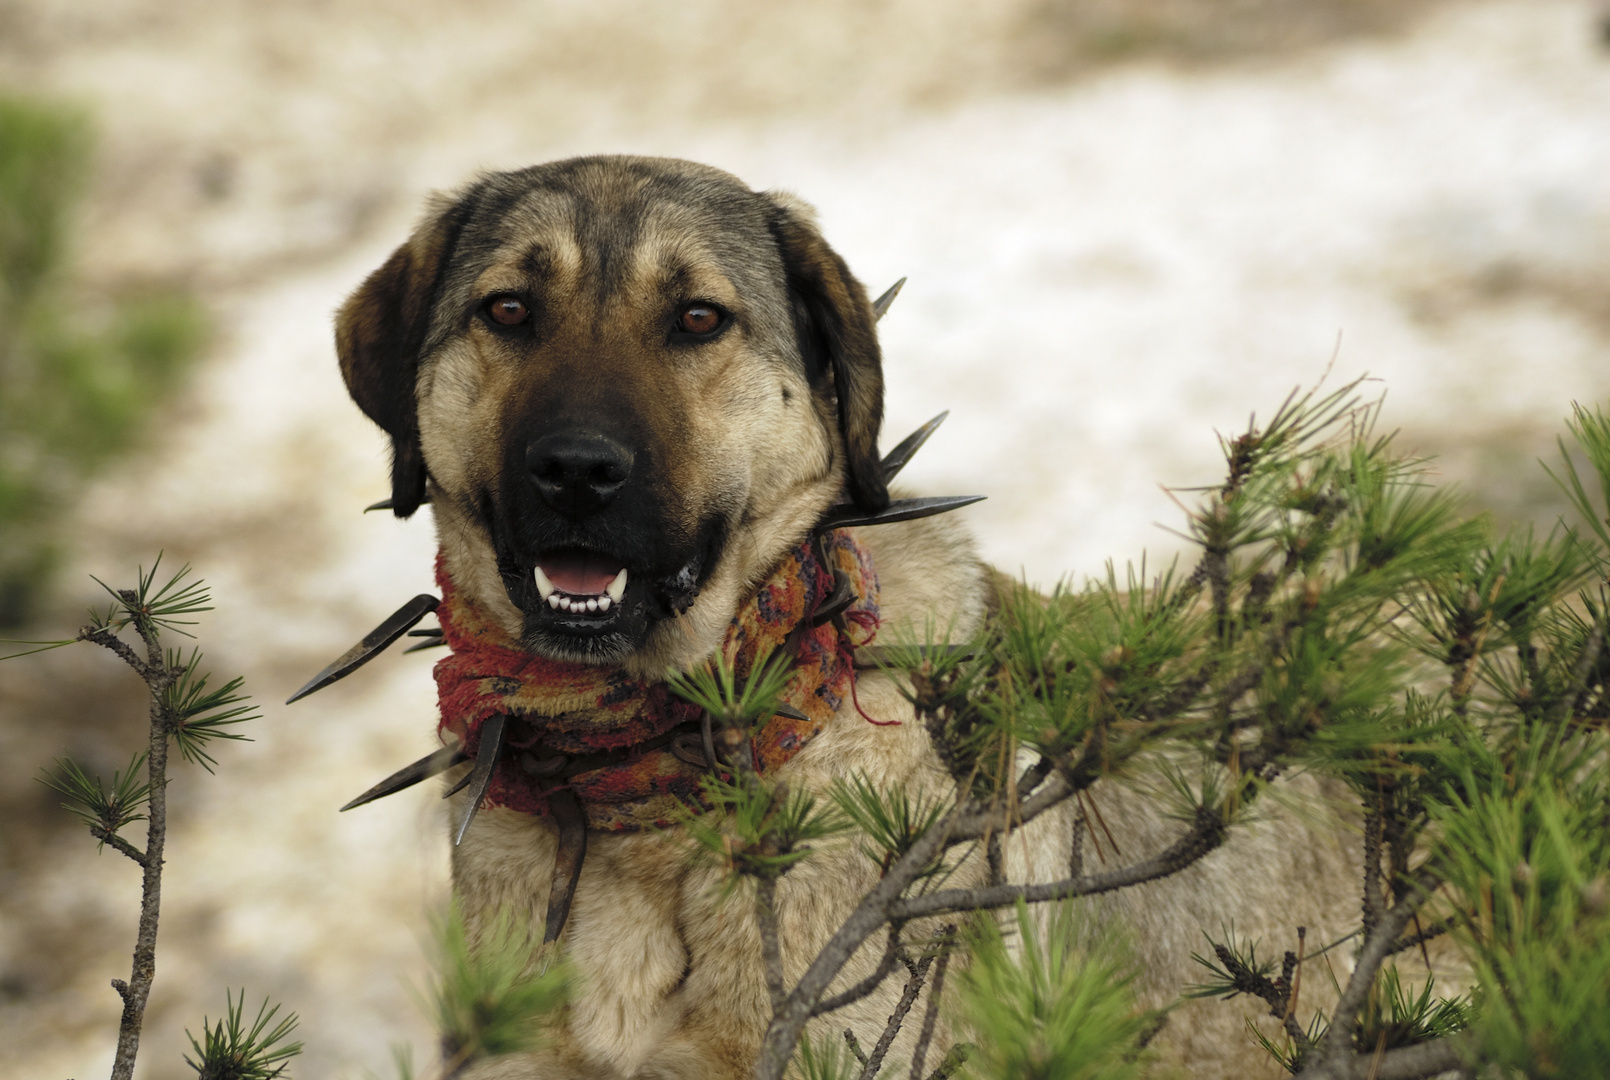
[[578, 473]]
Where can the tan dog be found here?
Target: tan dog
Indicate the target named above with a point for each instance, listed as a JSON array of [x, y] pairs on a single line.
[[628, 370]]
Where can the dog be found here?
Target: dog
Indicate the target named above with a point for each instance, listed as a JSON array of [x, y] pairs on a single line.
[[629, 388]]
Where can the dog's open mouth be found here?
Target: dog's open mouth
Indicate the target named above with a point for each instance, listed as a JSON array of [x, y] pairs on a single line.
[[580, 582]]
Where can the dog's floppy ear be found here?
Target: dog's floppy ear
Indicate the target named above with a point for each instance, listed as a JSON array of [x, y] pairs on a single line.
[[837, 332], [379, 333]]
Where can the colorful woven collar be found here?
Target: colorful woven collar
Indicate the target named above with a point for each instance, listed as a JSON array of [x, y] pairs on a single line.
[[629, 751]]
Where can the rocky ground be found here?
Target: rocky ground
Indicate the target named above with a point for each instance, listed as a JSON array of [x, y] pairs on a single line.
[[1126, 226]]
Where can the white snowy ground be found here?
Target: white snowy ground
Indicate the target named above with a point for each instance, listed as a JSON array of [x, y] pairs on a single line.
[[1100, 276]]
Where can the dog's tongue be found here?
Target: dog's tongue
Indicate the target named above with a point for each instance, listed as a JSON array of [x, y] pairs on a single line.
[[579, 573]]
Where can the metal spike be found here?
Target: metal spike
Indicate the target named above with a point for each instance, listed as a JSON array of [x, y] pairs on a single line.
[[896, 459], [845, 515], [459, 784], [373, 643], [480, 778], [571, 819], [430, 631], [426, 767], [880, 306], [386, 504], [790, 712], [836, 602], [435, 644]]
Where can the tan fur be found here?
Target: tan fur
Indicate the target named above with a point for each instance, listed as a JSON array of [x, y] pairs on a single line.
[[668, 975]]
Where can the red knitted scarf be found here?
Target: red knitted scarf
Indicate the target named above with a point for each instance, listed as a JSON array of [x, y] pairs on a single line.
[[564, 712]]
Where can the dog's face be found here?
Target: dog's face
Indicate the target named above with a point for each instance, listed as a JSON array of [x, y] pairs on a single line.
[[629, 384]]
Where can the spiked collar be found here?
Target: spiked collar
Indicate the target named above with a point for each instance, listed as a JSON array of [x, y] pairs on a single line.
[[645, 755]]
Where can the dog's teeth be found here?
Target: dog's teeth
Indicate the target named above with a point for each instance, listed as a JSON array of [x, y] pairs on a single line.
[[617, 587], [544, 586], [554, 599], [604, 602], [592, 605]]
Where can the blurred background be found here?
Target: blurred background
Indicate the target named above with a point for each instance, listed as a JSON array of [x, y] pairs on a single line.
[[1128, 224]]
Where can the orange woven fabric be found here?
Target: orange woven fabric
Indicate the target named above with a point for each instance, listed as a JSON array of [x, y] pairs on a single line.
[[561, 707]]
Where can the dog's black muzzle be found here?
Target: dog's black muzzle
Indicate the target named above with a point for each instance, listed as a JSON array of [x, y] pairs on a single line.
[[588, 546]]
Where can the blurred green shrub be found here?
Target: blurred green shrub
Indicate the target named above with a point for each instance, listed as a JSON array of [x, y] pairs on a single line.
[[80, 369]]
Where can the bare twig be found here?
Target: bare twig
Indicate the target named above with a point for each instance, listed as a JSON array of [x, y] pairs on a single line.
[[1417, 1062], [897, 1019], [106, 836], [1206, 834], [105, 637], [770, 951], [158, 677], [1337, 1045], [930, 1015], [854, 1045], [955, 1059], [891, 956], [1373, 902], [1435, 930], [1572, 699]]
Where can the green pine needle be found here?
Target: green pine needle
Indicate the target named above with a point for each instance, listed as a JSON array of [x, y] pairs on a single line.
[[233, 1050], [153, 607], [199, 715], [495, 995], [1219, 982], [43, 646], [892, 819], [757, 829], [827, 1058], [103, 810], [714, 688], [1061, 1005]]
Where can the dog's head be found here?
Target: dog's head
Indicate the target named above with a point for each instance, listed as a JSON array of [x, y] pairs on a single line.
[[628, 384]]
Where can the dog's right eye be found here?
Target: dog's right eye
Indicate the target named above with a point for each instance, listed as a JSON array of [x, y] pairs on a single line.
[[507, 310]]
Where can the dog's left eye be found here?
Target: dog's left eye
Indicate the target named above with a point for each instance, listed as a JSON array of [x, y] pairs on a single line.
[[507, 310], [700, 320]]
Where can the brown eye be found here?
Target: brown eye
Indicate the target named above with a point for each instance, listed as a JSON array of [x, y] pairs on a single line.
[[508, 310], [699, 319]]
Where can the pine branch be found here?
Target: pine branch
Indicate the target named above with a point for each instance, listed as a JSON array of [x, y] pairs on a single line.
[[177, 698], [891, 957], [1374, 903], [144, 967], [954, 1060], [1336, 1048], [119, 843], [107, 638], [1419, 1062], [897, 1019], [855, 1046], [930, 1015], [1430, 933], [1206, 834], [770, 951]]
